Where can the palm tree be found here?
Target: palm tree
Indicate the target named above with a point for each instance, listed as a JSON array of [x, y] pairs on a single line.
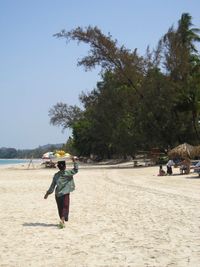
[[187, 37], [186, 34], [182, 62]]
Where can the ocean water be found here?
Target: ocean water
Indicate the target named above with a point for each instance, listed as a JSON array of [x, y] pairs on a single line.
[[13, 161]]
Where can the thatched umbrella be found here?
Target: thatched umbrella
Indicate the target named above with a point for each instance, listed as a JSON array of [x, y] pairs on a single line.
[[197, 151], [183, 151]]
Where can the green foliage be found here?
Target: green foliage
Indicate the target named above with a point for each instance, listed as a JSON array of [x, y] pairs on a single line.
[[8, 153], [69, 147], [182, 62], [142, 101], [162, 160]]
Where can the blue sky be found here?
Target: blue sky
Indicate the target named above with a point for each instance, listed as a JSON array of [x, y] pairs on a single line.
[[37, 70]]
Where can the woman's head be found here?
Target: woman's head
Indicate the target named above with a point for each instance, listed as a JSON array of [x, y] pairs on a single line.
[[61, 165]]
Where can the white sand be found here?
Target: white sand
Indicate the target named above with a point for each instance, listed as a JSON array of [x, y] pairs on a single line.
[[118, 217]]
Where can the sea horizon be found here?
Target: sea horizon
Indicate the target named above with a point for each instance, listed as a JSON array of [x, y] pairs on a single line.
[[13, 161]]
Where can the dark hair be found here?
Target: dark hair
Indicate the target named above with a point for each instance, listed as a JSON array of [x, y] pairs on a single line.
[[61, 164]]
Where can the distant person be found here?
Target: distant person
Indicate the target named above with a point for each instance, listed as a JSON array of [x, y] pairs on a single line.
[[196, 167], [161, 171], [185, 166], [64, 183], [169, 165]]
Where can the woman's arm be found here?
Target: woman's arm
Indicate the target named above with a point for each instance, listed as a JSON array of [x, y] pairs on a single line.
[[51, 188]]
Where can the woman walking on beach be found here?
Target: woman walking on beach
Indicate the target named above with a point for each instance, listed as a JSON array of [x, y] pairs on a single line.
[[64, 183]]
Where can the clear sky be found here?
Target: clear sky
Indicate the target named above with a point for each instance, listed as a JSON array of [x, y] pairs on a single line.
[[37, 70]]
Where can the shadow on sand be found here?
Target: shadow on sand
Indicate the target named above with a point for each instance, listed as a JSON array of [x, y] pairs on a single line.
[[193, 177], [40, 224]]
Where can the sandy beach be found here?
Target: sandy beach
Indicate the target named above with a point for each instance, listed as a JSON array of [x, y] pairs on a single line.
[[119, 216]]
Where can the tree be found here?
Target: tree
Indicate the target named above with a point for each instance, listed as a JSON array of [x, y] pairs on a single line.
[[105, 53], [64, 115], [126, 65], [179, 49], [182, 63], [69, 147]]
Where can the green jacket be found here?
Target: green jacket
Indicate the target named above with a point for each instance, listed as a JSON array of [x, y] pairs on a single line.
[[63, 181]]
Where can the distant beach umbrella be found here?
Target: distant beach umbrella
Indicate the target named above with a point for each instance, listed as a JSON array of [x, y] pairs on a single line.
[[183, 151], [48, 155]]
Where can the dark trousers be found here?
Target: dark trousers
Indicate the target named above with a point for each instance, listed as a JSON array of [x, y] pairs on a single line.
[[169, 170], [63, 206]]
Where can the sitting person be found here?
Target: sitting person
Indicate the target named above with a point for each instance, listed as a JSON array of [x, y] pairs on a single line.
[[196, 167], [185, 166], [161, 171]]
